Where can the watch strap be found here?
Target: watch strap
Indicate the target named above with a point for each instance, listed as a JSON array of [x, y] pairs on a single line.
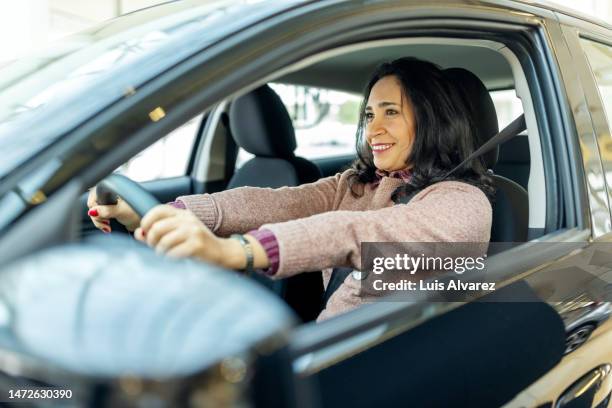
[[248, 250]]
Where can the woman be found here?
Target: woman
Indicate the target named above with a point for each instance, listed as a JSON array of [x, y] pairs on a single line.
[[413, 130]]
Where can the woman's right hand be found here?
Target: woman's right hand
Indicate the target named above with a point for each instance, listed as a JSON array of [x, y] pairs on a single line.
[[102, 214]]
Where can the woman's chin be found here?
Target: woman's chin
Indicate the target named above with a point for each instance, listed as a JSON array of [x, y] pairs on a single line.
[[381, 167]]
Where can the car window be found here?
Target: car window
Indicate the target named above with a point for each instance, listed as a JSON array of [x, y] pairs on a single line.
[[168, 157], [507, 105], [325, 121], [600, 59]]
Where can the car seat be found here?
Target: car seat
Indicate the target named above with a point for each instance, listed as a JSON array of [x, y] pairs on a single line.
[[511, 203], [514, 160], [260, 124]]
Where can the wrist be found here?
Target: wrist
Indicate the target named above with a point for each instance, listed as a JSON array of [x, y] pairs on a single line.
[[260, 258], [132, 227], [234, 256], [130, 223]]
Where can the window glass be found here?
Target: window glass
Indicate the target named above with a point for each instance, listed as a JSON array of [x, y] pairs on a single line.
[[507, 105], [168, 157], [600, 59], [325, 121]]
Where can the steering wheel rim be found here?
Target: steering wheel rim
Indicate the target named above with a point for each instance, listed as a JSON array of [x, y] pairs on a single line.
[[130, 191]]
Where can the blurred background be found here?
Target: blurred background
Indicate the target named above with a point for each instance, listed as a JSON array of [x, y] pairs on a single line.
[[29, 24], [325, 120]]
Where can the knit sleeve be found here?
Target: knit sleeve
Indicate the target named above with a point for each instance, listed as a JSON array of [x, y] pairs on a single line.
[[246, 208], [269, 243], [444, 212]]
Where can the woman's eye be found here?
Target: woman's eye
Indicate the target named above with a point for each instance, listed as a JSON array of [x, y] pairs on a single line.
[[391, 112], [369, 116]]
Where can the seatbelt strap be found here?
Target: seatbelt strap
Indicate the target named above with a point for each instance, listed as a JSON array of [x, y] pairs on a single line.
[[339, 275], [514, 128]]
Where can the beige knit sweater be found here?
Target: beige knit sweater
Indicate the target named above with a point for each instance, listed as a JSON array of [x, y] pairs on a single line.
[[321, 225]]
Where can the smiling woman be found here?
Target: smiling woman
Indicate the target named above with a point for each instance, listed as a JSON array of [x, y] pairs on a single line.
[[413, 131], [390, 125], [414, 121]]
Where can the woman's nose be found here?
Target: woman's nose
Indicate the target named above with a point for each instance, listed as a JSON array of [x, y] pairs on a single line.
[[374, 129]]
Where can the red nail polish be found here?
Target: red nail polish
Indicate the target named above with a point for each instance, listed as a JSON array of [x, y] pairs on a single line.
[[107, 230], [106, 222], [92, 213], [144, 233]]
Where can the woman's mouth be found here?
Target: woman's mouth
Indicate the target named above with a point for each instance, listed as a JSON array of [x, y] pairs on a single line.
[[379, 148]]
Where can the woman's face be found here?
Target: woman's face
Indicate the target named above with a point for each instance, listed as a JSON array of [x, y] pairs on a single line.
[[390, 125]]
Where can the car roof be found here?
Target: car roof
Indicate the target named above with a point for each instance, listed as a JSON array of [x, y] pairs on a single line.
[[548, 5], [350, 71]]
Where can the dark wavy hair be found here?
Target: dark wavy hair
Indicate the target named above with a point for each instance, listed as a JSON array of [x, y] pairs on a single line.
[[444, 131]]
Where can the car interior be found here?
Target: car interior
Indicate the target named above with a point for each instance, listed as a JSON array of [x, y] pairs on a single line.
[[257, 122], [482, 69]]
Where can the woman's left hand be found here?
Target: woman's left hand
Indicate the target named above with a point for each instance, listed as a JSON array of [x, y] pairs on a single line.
[[179, 233]]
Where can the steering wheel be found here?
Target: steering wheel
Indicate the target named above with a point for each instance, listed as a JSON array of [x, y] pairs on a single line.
[[108, 190]]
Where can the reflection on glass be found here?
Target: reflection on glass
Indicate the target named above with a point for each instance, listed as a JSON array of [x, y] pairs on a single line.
[[113, 307], [81, 75], [599, 58]]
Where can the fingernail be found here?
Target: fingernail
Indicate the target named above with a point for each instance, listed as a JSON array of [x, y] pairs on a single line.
[[106, 222], [92, 213], [144, 233], [107, 230]]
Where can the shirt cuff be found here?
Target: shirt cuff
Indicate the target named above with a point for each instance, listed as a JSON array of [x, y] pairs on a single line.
[[178, 204], [268, 241]]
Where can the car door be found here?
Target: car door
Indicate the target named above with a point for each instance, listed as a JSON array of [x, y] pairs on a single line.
[[381, 354], [584, 377]]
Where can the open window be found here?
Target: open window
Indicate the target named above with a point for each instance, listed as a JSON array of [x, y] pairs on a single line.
[[322, 96]]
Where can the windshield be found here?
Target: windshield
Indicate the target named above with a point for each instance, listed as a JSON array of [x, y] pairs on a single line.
[[45, 95]]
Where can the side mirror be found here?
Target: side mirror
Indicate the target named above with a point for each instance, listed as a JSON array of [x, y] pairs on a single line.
[[111, 307]]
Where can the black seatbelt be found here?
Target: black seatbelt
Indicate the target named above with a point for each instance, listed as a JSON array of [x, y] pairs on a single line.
[[336, 279], [514, 128]]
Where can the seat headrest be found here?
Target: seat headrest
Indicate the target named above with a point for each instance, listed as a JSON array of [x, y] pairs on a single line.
[[261, 125], [481, 108]]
